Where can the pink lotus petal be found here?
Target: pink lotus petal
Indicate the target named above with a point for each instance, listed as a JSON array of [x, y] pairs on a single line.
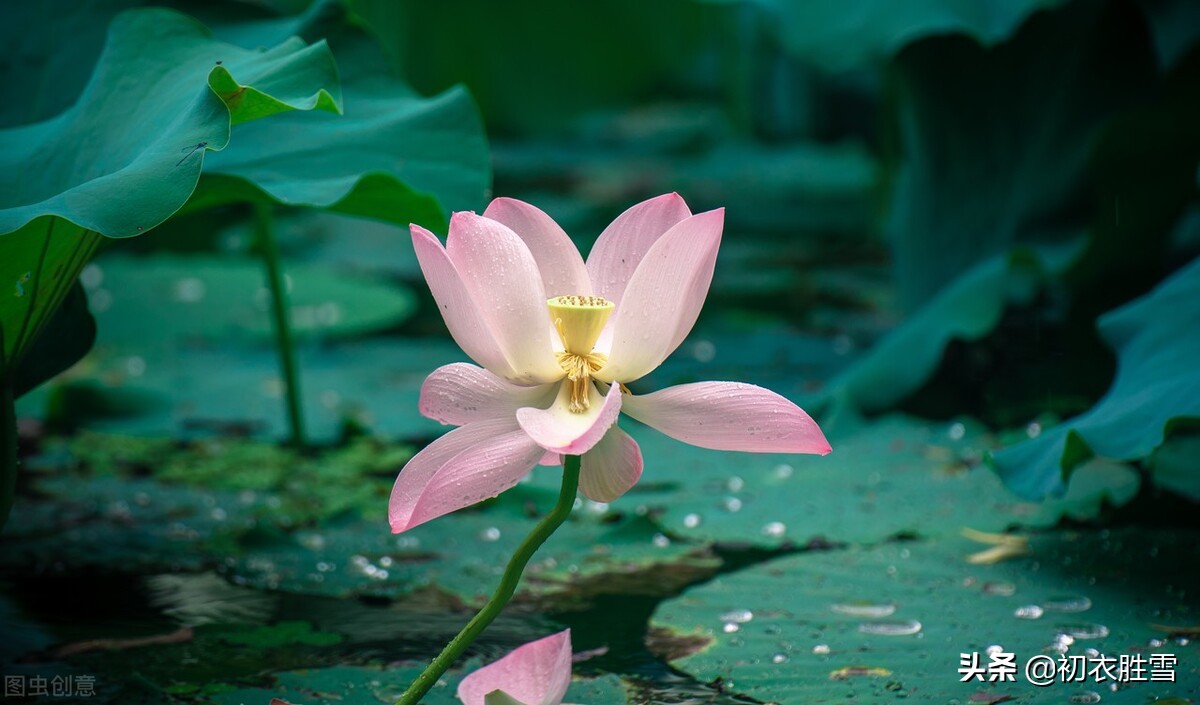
[[623, 244], [729, 416], [663, 297], [611, 467], [460, 393], [558, 260], [467, 465], [505, 284], [537, 673], [550, 459], [454, 302], [560, 430]]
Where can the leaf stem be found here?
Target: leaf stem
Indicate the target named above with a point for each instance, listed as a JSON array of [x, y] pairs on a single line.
[[280, 310], [504, 592]]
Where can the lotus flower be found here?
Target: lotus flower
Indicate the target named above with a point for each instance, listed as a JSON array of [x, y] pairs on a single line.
[[558, 339], [536, 673]]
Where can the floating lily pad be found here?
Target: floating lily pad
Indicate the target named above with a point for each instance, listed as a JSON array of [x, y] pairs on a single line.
[[891, 621], [1157, 387], [896, 476], [182, 299], [271, 518], [212, 388]]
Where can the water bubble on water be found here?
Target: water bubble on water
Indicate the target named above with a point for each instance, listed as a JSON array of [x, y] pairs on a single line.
[[491, 533], [994, 649], [704, 351], [92, 276], [1028, 612], [386, 561], [1182, 641], [1033, 430], [218, 514], [691, 521], [100, 300], [863, 608], [821, 649], [783, 471], [956, 431], [732, 504], [1084, 696], [735, 484], [660, 541], [731, 627], [1067, 603], [189, 290], [896, 627], [1157, 643], [1084, 630], [135, 366], [779, 658], [737, 616], [999, 588], [775, 529]]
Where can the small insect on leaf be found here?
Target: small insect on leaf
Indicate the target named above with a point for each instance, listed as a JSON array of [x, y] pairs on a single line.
[[190, 151]]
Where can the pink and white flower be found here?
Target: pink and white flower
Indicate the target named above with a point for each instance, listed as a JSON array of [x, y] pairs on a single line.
[[557, 340], [536, 673]]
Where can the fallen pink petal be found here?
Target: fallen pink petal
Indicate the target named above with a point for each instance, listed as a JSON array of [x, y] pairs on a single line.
[[537, 673]]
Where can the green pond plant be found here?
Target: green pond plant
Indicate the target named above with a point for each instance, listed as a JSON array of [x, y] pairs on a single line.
[[558, 340]]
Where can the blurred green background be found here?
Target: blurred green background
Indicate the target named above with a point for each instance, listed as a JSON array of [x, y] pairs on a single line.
[[962, 234]]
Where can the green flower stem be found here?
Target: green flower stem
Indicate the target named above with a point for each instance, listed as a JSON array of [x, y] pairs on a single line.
[[8, 447], [504, 593], [283, 327]]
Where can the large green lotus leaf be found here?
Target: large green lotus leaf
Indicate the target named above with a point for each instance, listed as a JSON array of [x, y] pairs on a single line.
[[69, 336], [991, 158], [392, 156], [129, 152], [967, 308], [1157, 386], [174, 298], [845, 35], [895, 476], [38, 265], [891, 621]]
